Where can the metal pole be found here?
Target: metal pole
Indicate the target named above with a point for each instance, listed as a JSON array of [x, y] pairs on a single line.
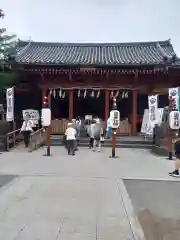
[[48, 141], [49, 129], [114, 107], [47, 102], [170, 144], [170, 133]]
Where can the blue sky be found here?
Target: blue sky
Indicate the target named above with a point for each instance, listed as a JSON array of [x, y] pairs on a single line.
[[93, 20]]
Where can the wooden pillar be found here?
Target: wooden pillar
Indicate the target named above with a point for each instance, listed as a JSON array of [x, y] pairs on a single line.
[[71, 104], [106, 105], [134, 113]]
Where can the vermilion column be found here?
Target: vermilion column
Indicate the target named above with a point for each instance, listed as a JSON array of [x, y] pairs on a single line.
[[70, 104], [106, 105], [134, 113]]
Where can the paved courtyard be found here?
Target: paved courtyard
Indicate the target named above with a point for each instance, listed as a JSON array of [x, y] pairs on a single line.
[[82, 197]]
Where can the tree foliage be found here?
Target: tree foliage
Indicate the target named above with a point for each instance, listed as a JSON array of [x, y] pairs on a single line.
[[7, 53], [7, 44]]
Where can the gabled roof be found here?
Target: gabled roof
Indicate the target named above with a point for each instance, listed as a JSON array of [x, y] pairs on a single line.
[[45, 53]]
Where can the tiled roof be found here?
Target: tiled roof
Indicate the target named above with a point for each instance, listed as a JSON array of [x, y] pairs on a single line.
[[94, 53]]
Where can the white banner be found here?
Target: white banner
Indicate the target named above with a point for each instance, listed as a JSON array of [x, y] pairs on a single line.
[[153, 109], [145, 121], [147, 127], [174, 95], [10, 104], [33, 114]]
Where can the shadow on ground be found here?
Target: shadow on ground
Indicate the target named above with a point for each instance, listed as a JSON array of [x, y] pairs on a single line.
[[5, 179], [157, 205]]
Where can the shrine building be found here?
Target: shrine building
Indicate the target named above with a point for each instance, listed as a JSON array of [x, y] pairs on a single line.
[[82, 78]]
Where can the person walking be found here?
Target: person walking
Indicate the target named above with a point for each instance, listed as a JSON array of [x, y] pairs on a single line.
[[97, 133], [76, 127], [26, 129], [109, 128], [90, 132], [70, 139]]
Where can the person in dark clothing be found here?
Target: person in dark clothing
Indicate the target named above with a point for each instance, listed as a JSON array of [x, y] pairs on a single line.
[[175, 173]]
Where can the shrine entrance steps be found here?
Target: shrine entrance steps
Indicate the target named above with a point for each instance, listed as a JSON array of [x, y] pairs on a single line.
[[15, 142], [19, 148], [121, 142]]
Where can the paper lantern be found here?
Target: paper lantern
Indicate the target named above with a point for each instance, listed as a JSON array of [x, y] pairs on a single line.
[[46, 117], [54, 93], [60, 93], [85, 93], [174, 120]]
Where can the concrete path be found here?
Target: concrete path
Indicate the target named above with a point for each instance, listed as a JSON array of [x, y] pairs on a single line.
[[82, 197]]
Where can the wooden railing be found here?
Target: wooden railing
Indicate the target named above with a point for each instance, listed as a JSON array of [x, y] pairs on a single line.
[[12, 139], [37, 139], [59, 127]]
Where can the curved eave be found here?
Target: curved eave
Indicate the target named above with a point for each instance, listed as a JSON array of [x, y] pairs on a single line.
[[122, 65]]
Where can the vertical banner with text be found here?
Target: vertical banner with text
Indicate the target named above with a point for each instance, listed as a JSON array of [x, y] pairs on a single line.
[[174, 99], [10, 104], [153, 109]]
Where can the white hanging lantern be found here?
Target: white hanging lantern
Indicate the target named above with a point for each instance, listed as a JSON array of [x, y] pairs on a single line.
[[85, 93], [54, 93], [117, 94], [79, 93], [63, 95], [126, 95], [123, 95], [98, 94], [111, 95], [92, 94], [60, 93], [50, 91]]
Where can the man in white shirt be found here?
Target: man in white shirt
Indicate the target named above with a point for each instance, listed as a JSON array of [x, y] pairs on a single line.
[[27, 129], [70, 138]]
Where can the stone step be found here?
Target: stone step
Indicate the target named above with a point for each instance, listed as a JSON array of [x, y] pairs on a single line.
[[118, 140], [137, 146], [142, 142], [56, 141]]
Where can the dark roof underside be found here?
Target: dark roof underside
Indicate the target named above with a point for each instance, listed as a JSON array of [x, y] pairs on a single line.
[[147, 53]]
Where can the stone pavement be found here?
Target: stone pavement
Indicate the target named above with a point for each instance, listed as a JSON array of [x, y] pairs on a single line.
[[73, 197]]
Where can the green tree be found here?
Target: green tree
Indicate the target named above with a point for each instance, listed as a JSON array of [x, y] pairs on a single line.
[[7, 53], [7, 46]]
